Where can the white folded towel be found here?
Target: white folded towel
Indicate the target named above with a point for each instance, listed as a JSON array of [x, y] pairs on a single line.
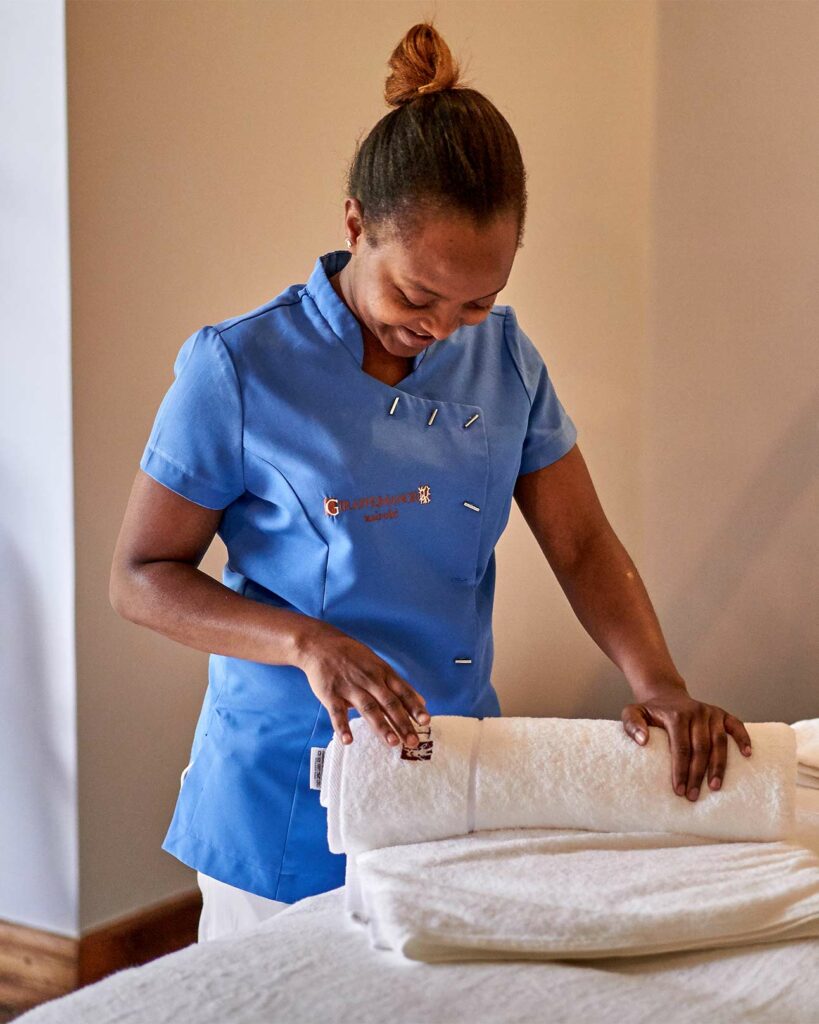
[[493, 773], [807, 741], [807, 752], [567, 894]]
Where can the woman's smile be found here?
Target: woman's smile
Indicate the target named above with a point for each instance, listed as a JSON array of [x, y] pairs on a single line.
[[409, 337]]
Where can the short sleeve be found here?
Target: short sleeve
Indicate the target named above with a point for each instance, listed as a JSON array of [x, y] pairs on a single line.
[[550, 432], [195, 445]]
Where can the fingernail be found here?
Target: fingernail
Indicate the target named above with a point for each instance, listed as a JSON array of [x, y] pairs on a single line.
[[746, 750], [680, 789], [347, 738], [714, 783], [423, 717], [392, 738], [639, 735], [693, 793]]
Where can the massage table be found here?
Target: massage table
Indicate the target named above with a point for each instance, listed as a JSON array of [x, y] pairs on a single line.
[[311, 963]]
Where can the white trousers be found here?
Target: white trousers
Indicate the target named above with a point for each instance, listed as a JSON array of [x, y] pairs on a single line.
[[227, 910]]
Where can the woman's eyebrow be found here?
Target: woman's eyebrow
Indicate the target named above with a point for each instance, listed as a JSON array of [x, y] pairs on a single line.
[[429, 291]]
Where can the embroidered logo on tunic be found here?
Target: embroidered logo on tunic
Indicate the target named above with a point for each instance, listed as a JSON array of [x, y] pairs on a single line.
[[420, 496]]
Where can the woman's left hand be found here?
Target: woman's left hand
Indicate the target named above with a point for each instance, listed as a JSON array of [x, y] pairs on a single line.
[[697, 735]]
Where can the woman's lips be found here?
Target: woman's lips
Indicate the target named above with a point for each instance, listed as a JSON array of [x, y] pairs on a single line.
[[414, 339]]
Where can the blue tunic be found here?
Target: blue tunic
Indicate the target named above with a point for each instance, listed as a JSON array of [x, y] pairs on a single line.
[[374, 507]]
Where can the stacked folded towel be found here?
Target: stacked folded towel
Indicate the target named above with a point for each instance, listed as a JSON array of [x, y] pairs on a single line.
[[543, 838], [569, 894], [807, 752]]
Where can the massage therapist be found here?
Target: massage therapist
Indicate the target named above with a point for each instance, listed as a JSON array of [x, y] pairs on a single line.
[[356, 442]]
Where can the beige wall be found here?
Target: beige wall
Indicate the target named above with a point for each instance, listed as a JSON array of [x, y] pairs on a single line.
[[731, 448], [208, 143]]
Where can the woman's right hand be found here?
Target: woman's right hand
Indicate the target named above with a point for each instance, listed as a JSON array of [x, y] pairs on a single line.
[[345, 673]]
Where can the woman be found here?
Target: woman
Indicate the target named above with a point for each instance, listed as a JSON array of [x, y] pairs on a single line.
[[356, 442]]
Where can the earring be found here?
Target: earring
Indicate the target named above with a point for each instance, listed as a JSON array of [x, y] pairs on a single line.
[[349, 243]]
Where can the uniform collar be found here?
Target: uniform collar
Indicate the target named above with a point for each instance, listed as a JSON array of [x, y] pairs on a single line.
[[335, 312]]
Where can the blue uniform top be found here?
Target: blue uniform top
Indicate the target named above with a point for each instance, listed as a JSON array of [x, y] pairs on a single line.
[[374, 507]]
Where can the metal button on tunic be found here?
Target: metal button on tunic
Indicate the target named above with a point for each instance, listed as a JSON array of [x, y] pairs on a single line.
[[372, 507]]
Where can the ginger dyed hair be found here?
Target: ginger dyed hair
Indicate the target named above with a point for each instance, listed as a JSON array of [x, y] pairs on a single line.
[[443, 149]]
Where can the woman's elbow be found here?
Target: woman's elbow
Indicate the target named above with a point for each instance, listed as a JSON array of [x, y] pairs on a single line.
[[121, 591]]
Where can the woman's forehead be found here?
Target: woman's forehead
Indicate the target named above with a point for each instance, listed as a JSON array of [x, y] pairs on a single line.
[[448, 260]]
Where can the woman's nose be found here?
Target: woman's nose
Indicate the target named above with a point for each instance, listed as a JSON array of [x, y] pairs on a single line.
[[443, 328]]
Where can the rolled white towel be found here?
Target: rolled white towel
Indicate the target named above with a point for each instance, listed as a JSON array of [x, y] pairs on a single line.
[[497, 773]]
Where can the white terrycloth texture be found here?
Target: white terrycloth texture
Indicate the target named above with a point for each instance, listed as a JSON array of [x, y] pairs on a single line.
[[571, 894], [374, 799], [309, 963], [534, 777], [547, 773]]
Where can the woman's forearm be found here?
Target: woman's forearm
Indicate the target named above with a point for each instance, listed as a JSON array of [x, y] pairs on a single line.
[[189, 606], [608, 596]]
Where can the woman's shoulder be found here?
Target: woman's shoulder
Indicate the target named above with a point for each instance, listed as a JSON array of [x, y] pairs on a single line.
[[257, 318], [525, 354], [268, 331], [497, 341]]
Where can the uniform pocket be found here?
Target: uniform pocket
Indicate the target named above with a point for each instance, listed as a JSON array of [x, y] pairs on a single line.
[[244, 804], [196, 773]]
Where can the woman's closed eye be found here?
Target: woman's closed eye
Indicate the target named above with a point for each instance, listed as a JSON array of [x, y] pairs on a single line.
[[425, 305]]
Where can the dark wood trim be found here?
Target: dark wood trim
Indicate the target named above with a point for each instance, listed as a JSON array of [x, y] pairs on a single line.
[[37, 965]]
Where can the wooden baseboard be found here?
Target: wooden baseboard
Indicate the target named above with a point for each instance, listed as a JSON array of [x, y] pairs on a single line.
[[37, 965]]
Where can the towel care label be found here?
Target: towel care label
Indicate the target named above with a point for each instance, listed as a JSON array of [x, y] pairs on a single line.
[[423, 752], [316, 765]]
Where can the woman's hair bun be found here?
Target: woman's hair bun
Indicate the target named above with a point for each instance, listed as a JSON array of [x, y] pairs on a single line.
[[422, 63]]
